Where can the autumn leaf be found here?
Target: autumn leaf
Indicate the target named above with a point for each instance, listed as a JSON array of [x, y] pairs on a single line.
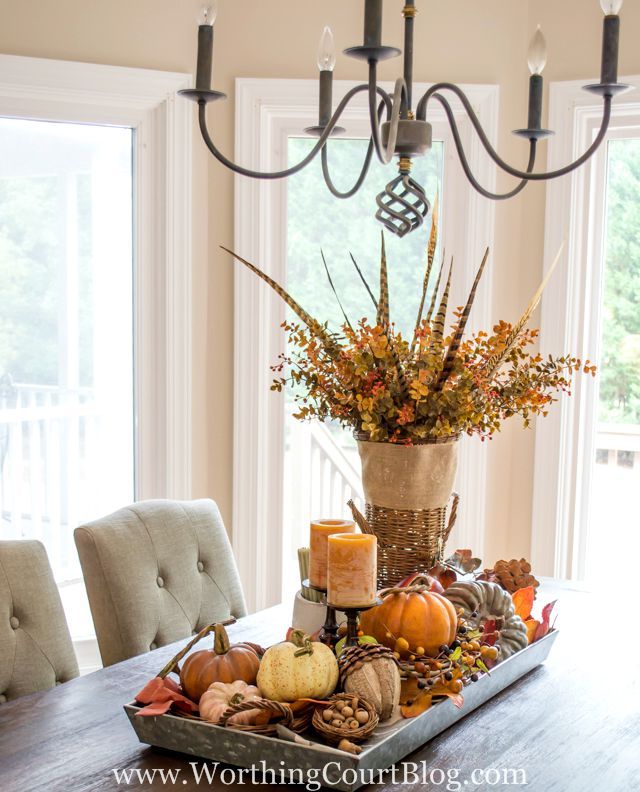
[[424, 700], [523, 602], [532, 626], [543, 627], [446, 577], [490, 633]]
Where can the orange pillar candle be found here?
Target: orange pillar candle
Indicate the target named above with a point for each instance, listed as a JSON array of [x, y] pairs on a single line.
[[352, 570], [320, 532]]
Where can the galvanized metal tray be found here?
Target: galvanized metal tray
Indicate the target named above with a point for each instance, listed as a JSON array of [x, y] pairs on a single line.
[[328, 766]]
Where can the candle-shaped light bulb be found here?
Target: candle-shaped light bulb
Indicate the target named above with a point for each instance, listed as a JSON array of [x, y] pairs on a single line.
[[208, 14], [326, 51], [537, 57], [611, 7]]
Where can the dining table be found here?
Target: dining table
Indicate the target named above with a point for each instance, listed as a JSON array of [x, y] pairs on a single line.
[[570, 725]]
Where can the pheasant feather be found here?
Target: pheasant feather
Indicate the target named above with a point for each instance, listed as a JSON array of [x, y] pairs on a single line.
[[333, 289], [383, 301], [495, 361], [431, 252], [316, 328], [449, 359], [363, 279], [441, 316], [435, 292]]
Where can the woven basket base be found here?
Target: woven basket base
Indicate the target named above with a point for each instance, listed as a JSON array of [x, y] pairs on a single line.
[[409, 541]]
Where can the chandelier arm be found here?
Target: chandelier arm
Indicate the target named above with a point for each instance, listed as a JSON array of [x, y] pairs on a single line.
[[363, 173], [394, 108], [282, 174], [606, 118], [465, 162], [358, 184]]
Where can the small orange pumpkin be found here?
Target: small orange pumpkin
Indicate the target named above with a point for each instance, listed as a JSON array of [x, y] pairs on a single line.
[[411, 620], [225, 662]]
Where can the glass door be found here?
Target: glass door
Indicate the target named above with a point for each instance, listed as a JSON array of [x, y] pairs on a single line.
[[66, 335]]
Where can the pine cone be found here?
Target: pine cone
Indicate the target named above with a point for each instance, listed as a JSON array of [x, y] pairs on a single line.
[[512, 575]]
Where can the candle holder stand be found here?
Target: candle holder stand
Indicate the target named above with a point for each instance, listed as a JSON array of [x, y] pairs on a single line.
[[353, 618], [329, 632]]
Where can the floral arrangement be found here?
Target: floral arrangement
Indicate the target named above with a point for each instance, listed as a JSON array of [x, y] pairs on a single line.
[[387, 388]]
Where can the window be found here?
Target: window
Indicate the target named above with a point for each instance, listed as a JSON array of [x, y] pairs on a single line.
[[95, 335], [66, 330], [584, 503], [284, 471], [321, 463]]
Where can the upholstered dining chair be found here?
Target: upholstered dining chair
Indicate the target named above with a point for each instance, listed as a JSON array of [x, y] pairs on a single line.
[[36, 652], [155, 572]]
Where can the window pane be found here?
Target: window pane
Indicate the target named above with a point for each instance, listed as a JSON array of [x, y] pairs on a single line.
[[66, 340], [613, 523], [322, 469]]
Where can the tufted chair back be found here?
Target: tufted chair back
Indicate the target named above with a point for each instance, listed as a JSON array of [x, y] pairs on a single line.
[[155, 572], [36, 652]]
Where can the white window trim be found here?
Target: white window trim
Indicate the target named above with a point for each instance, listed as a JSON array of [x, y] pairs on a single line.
[[146, 101], [570, 323], [267, 112]]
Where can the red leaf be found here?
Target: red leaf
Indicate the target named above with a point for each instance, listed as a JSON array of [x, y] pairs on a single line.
[[489, 633], [523, 602], [543, 627], [160, 695]]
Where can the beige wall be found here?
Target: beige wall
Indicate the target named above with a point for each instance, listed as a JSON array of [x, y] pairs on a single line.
[[460, 41]]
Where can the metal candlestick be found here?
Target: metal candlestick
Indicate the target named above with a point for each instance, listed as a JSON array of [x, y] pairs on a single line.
[[353, 618], [329, 633]]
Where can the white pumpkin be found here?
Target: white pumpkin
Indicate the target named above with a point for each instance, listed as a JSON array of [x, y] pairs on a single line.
[[221, 695], [299, 669]]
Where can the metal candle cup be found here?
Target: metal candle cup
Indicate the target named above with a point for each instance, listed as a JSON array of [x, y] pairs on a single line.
[[205, 57], [610, 47], [352, 570], [372, 23], [536, 84], [320, 532]]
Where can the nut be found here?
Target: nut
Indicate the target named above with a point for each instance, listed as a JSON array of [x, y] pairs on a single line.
[[347, 712], [337, 723], [328, 714], [353, 724], [362, 717], [339, 705]]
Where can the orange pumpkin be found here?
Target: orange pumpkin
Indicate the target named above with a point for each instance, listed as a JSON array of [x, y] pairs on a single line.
[[411, 620], [225, 662]]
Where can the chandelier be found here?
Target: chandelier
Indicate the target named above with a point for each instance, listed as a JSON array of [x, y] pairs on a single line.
[[399, 128]]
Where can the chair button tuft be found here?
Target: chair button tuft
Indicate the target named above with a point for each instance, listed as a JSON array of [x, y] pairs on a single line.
[[160, 581], [14, 622], [153, 646], [200, 566]]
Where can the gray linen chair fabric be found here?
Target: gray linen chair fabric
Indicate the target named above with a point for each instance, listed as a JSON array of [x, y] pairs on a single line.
[[155, 572], [36, 652]]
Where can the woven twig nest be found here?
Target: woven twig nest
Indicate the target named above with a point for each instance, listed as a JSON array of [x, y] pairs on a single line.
[[280, 713], [334, 734]]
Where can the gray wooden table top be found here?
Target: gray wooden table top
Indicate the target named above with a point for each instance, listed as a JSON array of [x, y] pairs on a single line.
[[571, 724]]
